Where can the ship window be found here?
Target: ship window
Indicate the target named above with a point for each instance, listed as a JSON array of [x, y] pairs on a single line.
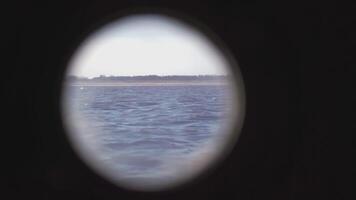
[[150, 101]]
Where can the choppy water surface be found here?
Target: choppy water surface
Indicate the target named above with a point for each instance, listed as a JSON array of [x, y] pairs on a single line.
[[149, 133]]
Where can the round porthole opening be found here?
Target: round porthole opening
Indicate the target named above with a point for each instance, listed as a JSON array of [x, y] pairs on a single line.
[[150, 101]]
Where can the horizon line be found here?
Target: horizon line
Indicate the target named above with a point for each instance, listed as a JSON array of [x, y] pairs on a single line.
[[108, 76]]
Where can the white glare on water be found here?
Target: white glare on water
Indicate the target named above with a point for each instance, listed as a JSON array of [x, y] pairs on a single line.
[[150, 135]]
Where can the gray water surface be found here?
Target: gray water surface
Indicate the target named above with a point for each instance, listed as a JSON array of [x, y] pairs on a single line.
[[141, 129]]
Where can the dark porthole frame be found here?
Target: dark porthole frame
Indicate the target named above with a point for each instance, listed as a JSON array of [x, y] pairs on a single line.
[[284, 151]]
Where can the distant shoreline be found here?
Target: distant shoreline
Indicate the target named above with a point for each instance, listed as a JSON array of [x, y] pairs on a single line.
[[150, 80], [146, 83]]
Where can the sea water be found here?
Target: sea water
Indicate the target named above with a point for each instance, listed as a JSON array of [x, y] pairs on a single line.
[[149, 132]]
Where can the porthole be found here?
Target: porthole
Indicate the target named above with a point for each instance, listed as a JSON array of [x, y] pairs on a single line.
[[151, 101]]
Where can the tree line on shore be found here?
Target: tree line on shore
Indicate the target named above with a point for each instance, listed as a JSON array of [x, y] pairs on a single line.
[[147, 78]]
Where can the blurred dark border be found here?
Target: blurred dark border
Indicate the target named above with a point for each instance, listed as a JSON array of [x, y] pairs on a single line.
[[296, 61]]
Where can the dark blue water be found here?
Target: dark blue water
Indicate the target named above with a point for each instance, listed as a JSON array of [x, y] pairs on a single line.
[[139, 128]]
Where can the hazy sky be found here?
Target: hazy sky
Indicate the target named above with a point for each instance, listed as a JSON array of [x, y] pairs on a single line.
[[144, 45]]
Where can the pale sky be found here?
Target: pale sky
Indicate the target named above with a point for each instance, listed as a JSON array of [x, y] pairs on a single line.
[[147, 45]]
